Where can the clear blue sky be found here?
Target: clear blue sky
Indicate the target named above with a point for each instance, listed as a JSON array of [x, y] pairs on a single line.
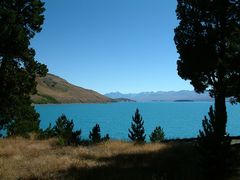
[[111, 45]]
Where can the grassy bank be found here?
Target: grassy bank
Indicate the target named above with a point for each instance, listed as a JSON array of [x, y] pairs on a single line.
[[32, 159]]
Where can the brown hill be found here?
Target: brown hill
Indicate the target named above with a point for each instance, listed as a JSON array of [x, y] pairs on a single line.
[[53, 89]]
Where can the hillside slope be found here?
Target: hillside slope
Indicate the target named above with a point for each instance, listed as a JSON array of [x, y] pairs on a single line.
[[53, 89]]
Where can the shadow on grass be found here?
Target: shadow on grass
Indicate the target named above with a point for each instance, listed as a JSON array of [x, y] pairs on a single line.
[[180, 162]]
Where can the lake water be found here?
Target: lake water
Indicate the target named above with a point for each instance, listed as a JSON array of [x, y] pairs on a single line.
[[178, 119]]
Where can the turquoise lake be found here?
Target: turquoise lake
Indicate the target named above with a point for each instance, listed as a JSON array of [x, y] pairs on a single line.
[[178, 119]]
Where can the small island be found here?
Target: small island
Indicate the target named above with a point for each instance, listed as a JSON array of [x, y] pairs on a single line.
[[184, 100]]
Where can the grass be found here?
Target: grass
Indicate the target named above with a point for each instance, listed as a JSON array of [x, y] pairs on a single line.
[[43, 159]]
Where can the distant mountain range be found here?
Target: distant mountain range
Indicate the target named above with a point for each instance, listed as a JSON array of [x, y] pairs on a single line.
[[183, 95], [53, 89]]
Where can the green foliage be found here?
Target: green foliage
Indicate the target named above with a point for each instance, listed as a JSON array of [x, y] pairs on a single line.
[[26, 122], [61, 141], [206, 39], [64, 130], [157, 135], [20, 21], [215, 149], [49, 132], [94, 135], [137, 131]]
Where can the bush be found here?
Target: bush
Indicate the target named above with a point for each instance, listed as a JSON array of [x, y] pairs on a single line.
[[106, 138], [49, 132], [157, 135], [64, 129]]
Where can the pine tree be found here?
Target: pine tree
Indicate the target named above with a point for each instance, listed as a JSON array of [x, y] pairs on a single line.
[[94, 135], [20, 20], [136, 133], [157, 135], [214, 149]]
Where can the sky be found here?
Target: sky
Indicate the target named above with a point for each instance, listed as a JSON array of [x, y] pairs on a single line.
[[111, 45]]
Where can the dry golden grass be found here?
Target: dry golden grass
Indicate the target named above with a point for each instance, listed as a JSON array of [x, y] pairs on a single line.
[[22, 158], [43, 159]]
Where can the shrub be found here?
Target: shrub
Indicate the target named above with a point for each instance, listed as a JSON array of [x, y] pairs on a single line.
[[49, 132], [64, 129], [106, 138], [157, 135], [137, 131]]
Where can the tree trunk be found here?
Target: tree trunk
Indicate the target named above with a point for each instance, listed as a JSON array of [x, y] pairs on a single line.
[[220, 113]]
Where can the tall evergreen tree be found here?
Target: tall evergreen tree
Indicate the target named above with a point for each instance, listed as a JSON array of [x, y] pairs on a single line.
[[20, 20], [207, 39], [137, 131]]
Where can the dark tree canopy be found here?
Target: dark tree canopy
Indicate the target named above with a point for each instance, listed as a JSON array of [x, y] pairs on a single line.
[[137, 131], [207, 40], [20, 20]]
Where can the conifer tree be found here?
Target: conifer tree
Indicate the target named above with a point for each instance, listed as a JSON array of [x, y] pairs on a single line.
[[20, 20], [64, 131], [94, 135], [137, 132], [157, 135], [214, 148]]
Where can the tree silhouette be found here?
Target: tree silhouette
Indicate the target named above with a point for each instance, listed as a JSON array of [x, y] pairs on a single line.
[[215, 151], [207, 40], [20, 20], [94, 135], [137, 132]]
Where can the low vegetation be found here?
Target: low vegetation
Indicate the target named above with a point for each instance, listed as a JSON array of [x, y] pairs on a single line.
[[44, 99], [63, 131], [34, 159], [43, 159]]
